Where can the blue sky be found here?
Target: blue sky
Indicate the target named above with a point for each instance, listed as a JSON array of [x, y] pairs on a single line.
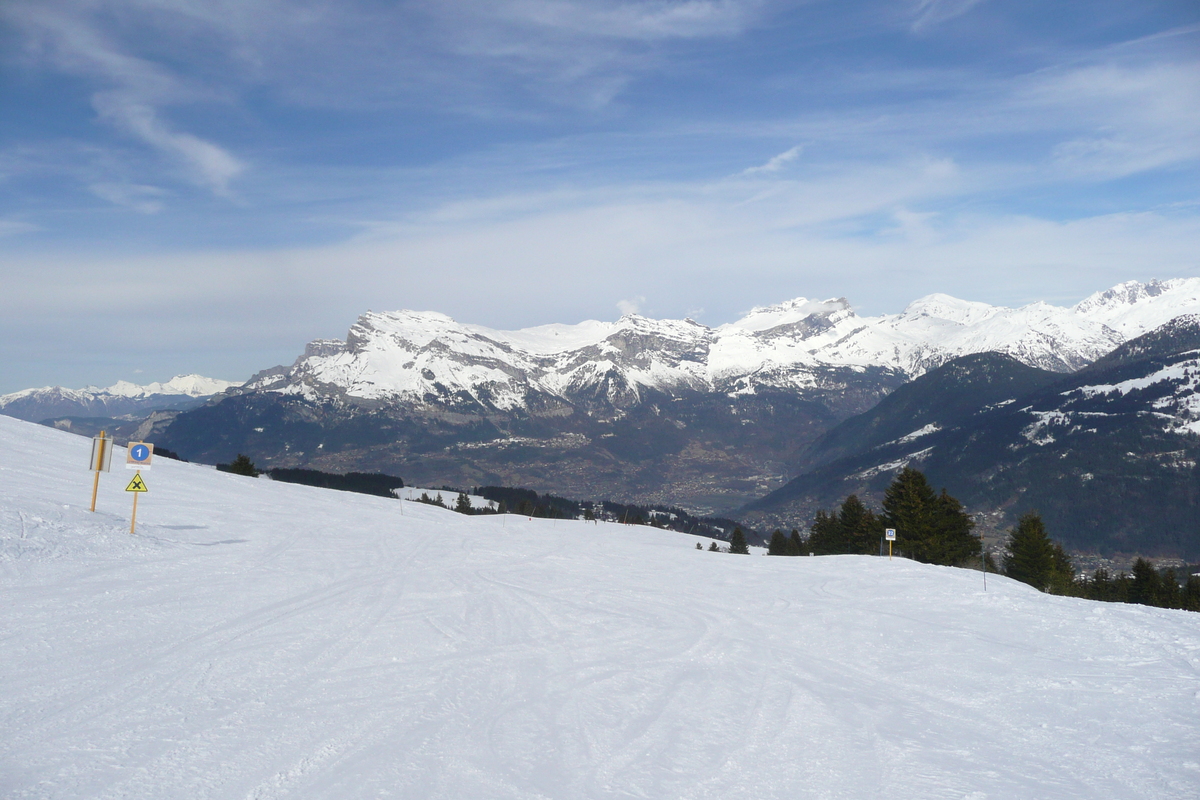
[[205, 186]]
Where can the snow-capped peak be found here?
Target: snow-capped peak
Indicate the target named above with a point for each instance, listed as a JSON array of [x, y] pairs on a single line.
[[1134, 308], [187, 385], [943, 306], [421, 355], [764, 318]]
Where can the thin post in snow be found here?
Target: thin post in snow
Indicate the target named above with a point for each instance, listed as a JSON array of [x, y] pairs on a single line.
[[983, 548]]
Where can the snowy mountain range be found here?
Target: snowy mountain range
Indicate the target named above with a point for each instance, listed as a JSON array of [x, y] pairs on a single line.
[[422, 357], [637, 410], [121, 399]]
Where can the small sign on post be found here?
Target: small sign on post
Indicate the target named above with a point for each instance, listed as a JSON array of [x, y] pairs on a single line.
[[137, 486], [101, 461], [138, 455], [890, 535]]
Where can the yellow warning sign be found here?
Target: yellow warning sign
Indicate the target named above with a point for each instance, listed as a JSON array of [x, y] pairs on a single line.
[[137, 484]]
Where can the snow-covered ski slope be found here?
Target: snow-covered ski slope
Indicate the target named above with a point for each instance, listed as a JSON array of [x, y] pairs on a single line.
[[267, 640]]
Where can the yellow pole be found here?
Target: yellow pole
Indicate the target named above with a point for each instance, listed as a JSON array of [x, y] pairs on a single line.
[[889, 550], [133, 520], [99, 463]]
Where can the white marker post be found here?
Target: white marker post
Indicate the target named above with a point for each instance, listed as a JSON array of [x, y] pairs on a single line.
[[890, 535], [101, 461]]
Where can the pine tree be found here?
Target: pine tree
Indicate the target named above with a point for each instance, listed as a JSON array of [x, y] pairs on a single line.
[[713, 547], [929, 527], [1029, 557], [242, 465], [795, 544], [463, 504], [952, 542], [1169, 595], [778, 545], [859, 527], [825, 535], [699, 546], [737, 543], [853, 528], [908, 506], [1190, 600], [1144, 589], [1062, 578], [1101, 586]]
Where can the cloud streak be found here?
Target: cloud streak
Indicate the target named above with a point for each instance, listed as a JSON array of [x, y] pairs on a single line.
[[929, 13], [139, 88]]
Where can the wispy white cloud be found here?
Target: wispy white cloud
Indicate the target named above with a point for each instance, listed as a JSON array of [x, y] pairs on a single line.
[[1131, 117], [928, 13], [651, 20], [206, 163], [137, 88], [776, 163], [1113, 115], [12, 227], [139, 197]]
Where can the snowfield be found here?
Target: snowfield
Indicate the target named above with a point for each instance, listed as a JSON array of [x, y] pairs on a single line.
[[267, 640]]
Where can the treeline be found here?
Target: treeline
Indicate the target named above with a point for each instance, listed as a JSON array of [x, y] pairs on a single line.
[[930, 527], [376, 483], [1032, 557], [934, 528], [526, 502], [513, 500]]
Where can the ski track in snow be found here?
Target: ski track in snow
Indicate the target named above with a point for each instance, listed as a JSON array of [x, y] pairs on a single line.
[[266, 640]]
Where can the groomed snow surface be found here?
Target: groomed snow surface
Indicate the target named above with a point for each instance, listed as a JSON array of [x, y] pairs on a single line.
[[267, 640]]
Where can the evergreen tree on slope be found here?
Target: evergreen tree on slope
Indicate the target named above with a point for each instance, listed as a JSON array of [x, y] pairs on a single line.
[[952, 541], [929, 527], [853, 528], [737, 543], [1029, 557], [860, 528]]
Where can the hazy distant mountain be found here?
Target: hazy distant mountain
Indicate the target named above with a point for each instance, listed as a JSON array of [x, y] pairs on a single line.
[[637, 409], [119, 400], [1108, 455]]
